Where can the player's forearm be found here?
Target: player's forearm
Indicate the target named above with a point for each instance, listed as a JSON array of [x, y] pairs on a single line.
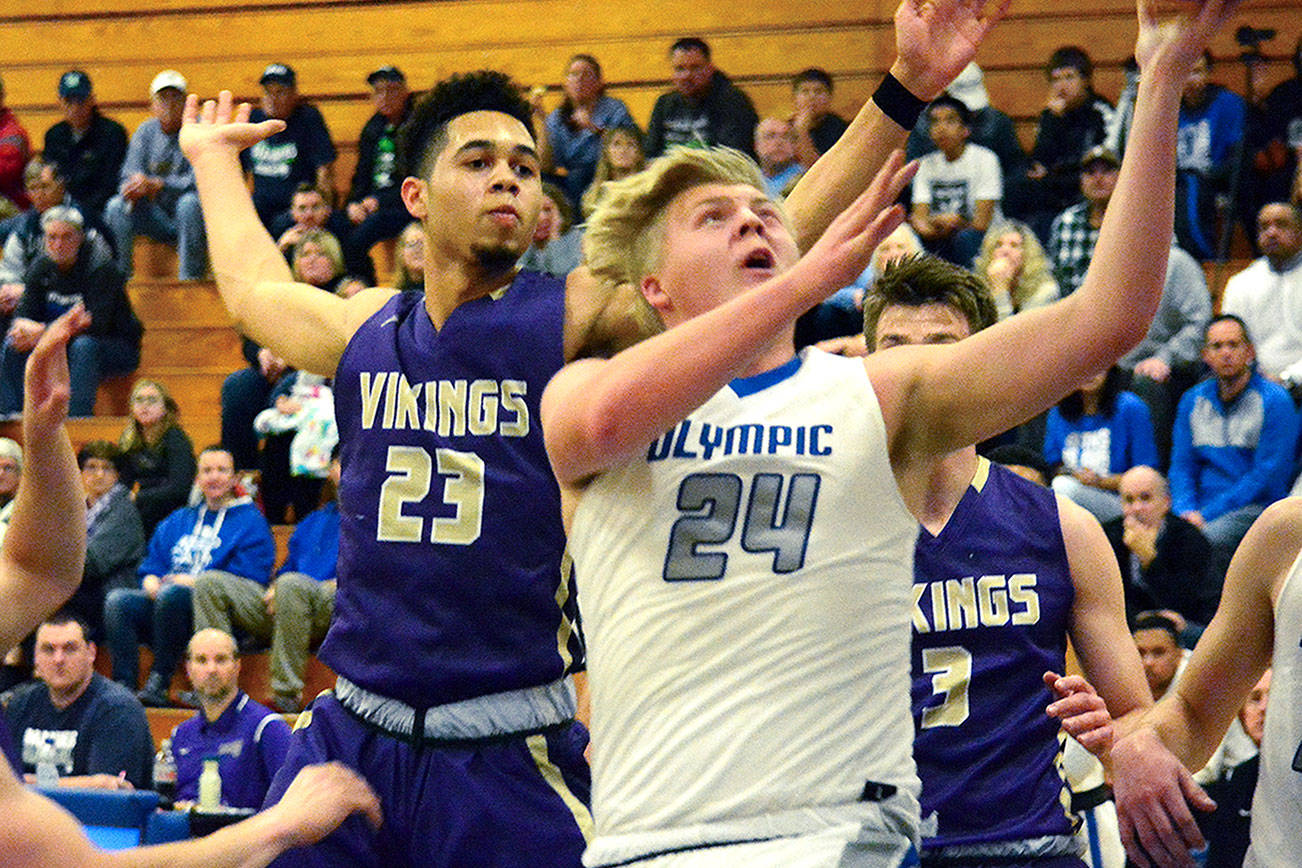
[[841, 174], [243, 254], [1125, 278], [47, 535]]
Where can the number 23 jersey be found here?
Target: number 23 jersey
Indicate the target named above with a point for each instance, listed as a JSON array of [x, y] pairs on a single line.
[[744, 589], [450, 537]]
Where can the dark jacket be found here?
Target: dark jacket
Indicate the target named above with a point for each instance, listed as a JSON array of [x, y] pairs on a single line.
[[1179, 577], [165, 474], [724, 116], [363, 184], [90, 164]]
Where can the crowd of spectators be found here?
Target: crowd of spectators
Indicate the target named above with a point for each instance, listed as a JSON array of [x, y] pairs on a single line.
[[1175, 450]]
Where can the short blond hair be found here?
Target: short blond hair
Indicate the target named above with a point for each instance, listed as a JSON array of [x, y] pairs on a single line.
[[624, 235]]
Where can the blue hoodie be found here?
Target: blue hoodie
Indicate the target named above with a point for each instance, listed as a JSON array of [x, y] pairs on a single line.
[[235, 538]]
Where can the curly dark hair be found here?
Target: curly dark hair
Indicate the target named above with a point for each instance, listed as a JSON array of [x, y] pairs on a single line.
[[423, 135], [925, 279]]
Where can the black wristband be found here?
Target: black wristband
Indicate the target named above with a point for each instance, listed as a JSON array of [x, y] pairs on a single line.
[[897, 103]]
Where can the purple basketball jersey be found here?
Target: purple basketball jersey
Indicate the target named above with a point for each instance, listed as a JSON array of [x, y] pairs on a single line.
[[992, 598], [450, 540]]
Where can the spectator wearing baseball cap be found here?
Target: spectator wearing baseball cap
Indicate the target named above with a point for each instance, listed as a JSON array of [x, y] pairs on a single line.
[[301, 152], [375, 210], [87, 147], [156, 194]]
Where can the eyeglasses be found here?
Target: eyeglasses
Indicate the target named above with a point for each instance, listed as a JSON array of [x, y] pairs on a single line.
[[146, 400]]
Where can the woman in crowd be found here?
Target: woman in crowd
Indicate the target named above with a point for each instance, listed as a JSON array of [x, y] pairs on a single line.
[[318, 259], [157, 462], [621, 156], [1094, 435], [115, 540], [1015, 268], [574, 130], [836, 325], [409, 259]]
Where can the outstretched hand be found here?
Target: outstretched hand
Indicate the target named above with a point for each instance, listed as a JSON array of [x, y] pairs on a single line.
[[1153, 793], [935, 39], [220, 126], [844, 250], [47, 385], [320, 798], [1175, 45], [1081, 711]]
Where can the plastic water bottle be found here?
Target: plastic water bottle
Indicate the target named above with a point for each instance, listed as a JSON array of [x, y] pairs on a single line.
[[47, 770], [165, 774], [210, 785]]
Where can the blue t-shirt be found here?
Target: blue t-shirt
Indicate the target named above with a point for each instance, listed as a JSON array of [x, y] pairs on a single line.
[[1106, 444], [103, 731], [250, 742], [578, 150]]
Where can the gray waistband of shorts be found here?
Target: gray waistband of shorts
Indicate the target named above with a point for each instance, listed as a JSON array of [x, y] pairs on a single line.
[[1023, 848], [496, 714]]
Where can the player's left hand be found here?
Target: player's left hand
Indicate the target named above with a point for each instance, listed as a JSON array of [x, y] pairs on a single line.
[[1153, 793], [1081, 711], [843, 251], [47, 385], [320, 798], [935, 39]]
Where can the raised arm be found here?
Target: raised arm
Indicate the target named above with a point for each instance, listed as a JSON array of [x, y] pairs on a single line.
[[937, 400], [598, 413], [300, 323], [1152, 785], [45, 548], [934, 40], [1098, 629]]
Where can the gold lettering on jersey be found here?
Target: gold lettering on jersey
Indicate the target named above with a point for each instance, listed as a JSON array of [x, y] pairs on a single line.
[[452, 408], [975, 601], [371, 389], [406, 415]]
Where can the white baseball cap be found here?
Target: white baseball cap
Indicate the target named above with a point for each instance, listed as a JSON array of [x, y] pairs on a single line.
[[168, 78]]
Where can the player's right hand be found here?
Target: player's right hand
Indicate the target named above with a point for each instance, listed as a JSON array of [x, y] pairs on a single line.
[[219, 126], [320, 798], [1154, 793]]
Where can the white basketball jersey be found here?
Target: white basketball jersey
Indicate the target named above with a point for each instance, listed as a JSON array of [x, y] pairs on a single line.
[[1277, 803], [745, 591]]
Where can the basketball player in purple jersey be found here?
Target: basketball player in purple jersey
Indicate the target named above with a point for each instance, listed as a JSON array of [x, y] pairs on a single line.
[[1004, 572], [453, 628], [40, 566]]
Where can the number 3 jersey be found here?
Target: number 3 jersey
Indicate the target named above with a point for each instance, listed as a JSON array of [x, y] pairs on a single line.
[[992, 598], [744, 589], [450, 538]]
